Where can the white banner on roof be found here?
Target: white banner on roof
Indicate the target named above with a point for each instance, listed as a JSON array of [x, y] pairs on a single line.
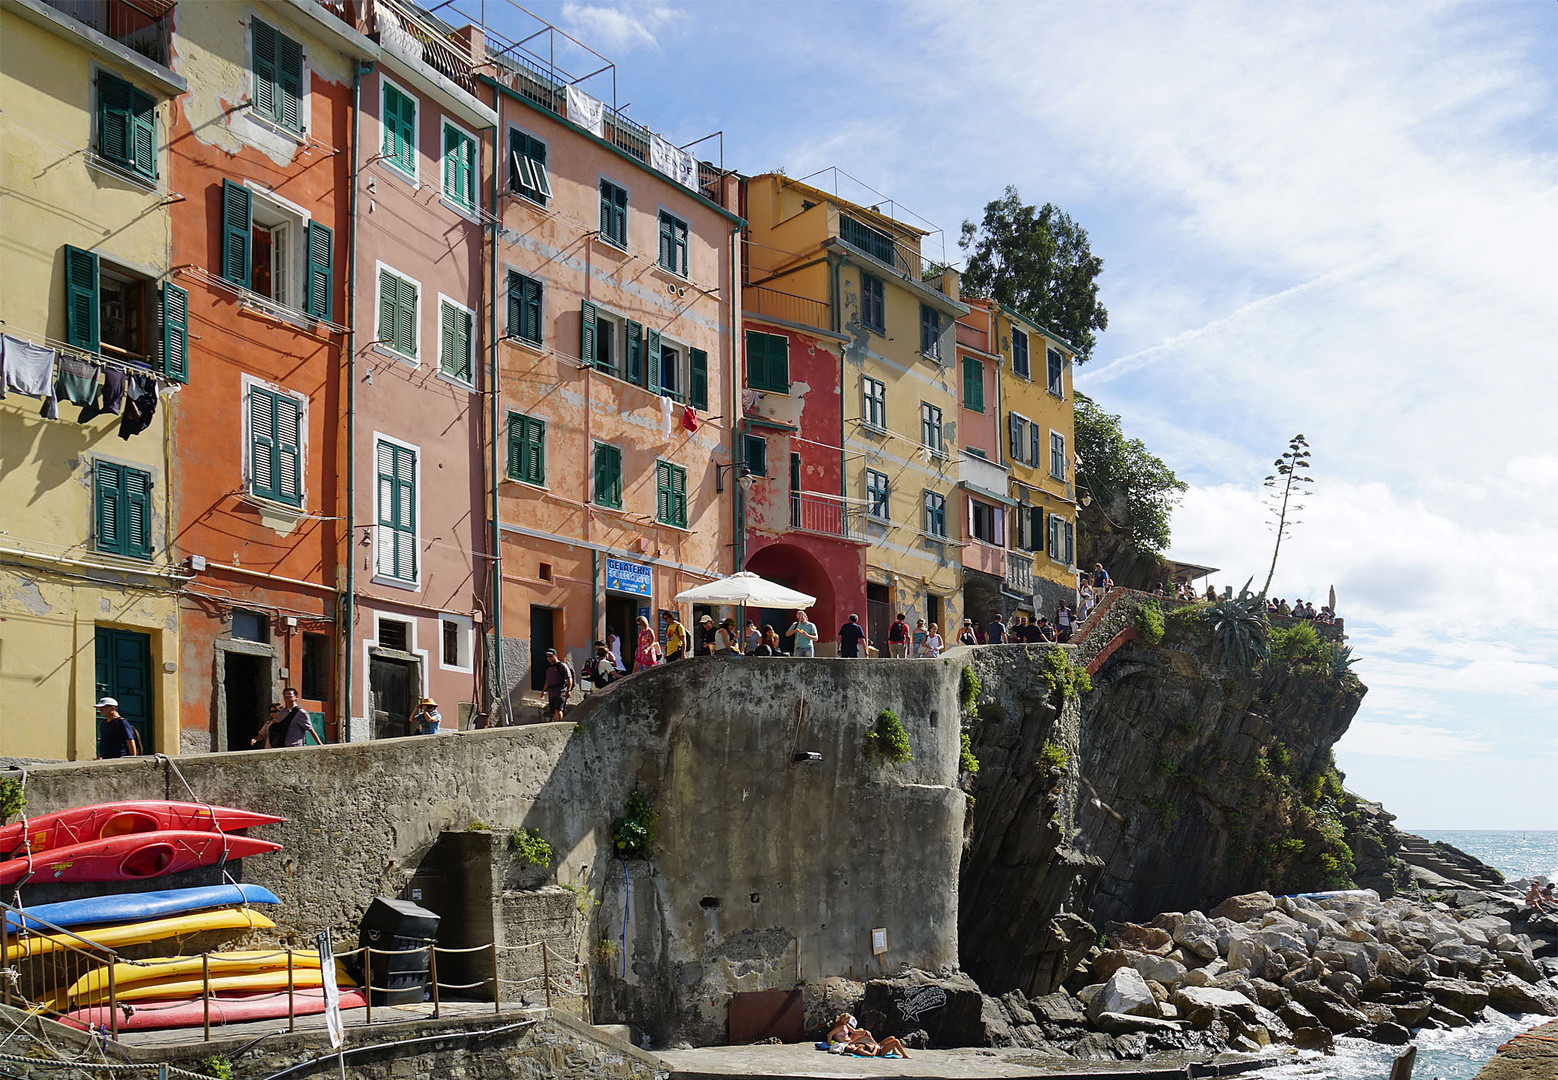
[[679, 165], [587, 112]]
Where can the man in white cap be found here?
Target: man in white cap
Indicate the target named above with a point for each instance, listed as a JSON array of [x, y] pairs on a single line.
[[116, 735]]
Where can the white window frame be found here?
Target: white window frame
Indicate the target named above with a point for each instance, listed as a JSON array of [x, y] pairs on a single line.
[[465, 651], [867, 383], [472, 212], [618, 337], [887, 495], [939, 447], [379, 577], [1026, 441], [279, 211], [387, 349], [246, 440], [412, 647], [1057, 458], [666, 211], [681, 365], [414, 178], [471, 339]]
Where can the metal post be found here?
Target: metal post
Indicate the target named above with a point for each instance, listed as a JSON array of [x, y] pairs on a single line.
[[546, 976], [432, 976], [497, 991], [292, 1012], [113, 1003], [589, 1005], [205, 990]]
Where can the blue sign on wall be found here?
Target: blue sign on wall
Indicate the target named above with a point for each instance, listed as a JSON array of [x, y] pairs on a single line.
[[627, 577]]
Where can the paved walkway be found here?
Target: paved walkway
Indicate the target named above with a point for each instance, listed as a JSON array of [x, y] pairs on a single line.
[[1530, 1056], [803, 1060]]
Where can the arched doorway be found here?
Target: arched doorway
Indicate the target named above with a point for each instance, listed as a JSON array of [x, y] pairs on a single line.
[[795, 568]]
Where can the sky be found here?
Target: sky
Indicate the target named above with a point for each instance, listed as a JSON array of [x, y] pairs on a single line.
[[1339, 219]]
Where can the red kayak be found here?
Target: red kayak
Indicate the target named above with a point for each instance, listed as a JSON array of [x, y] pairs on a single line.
[[134, 856], [49, 832], [154, 1015]]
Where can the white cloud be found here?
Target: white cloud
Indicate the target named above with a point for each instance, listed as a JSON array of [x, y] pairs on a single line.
[[1412, 741], [620, 28]]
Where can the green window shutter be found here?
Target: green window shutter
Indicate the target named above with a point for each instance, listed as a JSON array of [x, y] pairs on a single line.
[[107, 479], [386, 332], [667, 245], [1014, 435], [81, 299], [400, 124], [652, 360], [455, 342], [633, 370], [113, 118], [319, 284], [530, 323], [262, 443], [516, 312], [459, 184], [398, 314], [587, 330], [143, 134], [662, 491], [236, 224], [535, 450], [263, 39], [289, 450], [756, 454], [679, 496], [757, 358], [135, 499], [289, 83], [396, 549], [608, 475], [173, 339], [516, 442], [973, 385], [779, 363], [698, 366]]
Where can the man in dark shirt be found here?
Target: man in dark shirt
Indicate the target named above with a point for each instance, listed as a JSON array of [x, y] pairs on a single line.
[[705, 635], [996, 631], [557, 682], [294, 721], [117, 735], [1044, 631], [850, 636]]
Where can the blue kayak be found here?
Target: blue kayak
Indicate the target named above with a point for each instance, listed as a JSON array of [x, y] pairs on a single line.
[[136, 907]]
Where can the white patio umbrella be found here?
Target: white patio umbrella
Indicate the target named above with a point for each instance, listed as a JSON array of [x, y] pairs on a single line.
[[746, 588]]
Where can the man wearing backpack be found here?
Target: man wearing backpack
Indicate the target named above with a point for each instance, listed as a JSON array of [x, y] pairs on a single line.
[[898, 638]]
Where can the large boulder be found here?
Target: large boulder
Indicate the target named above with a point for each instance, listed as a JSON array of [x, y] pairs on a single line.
[[1196, 935], [1159, 969], [950, 1009], [1247, 954], [1244, 907], [1312, 1038], [1125, 993], [1522, 964], [1509, 995], [1458, 995], [1187, 998], [1140, 938], [1057, 1010], [1328, 1006], [1346, 956], [1390, 1033]]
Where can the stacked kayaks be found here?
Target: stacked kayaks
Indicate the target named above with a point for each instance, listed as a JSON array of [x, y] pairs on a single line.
[[125, 841]]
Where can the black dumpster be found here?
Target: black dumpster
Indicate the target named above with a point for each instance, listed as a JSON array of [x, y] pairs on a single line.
[[400, 933]]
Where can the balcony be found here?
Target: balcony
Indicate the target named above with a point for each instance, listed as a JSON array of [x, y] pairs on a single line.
[[982, 474], [826, 515], [142, 26], [403, 27], [762, 302], [1019, 574], [985, 557]]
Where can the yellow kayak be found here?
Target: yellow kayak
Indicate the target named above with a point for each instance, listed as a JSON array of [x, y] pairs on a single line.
[[180, 988], [163, 968], [138, 933]]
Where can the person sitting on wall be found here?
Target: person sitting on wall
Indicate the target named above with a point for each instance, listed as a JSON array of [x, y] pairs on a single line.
[[1211, 594], [727, 639]]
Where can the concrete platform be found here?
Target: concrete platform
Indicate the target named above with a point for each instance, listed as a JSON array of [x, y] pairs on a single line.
[[975, 1063], [356, 1022]]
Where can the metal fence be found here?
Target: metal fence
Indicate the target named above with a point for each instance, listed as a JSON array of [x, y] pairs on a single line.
[[139, 25], [760, 300]]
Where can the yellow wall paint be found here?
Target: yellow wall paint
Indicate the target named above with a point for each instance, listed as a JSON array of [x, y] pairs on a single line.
[[54, 587]]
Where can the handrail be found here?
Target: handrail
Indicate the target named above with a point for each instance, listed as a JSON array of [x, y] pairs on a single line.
[[45, 975]]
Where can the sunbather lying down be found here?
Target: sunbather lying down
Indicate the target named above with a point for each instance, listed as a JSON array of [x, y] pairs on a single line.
[[846, 1038]]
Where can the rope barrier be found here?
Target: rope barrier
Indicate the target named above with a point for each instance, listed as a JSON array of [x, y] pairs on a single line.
[[104, 1066]]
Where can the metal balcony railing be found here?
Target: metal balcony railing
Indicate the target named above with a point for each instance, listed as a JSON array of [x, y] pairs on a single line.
[[139, 25], [882, 246], [1019, 573], [401, 24], [761, 300], [826, 515]]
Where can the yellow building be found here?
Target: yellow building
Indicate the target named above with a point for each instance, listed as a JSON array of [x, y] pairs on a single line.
[[899, 441], [87, 605], [1039, 451]]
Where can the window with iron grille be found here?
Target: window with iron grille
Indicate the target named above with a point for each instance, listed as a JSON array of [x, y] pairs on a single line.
[[874, 242]]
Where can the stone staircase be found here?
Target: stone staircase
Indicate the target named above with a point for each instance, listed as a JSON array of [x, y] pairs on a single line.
[[1449, 862]]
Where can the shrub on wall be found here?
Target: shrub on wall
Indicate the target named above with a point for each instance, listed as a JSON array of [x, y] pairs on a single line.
[[13, 800], [1054, 756], [887, 739], [1064, 677], [968, 690], [529, 846], [967, 762], [633, 834], [1149, 621]]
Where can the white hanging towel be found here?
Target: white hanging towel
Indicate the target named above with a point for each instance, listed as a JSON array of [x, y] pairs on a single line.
[[665, 417], [587, 112], [29, 368]]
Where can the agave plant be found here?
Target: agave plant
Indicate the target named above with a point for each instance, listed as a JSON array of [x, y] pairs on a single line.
[[1341, 662], [1239, 629]]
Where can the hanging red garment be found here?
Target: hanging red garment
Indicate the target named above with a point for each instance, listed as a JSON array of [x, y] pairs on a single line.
[[690, 418]]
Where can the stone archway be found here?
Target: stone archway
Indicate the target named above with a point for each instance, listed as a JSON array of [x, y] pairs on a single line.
[[799, 569]]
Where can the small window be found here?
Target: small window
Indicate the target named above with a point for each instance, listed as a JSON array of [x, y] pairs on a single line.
[[527, 449], [1057, 365], [614, 213], [930, 332], [1019, 353], [315, 683], [459, 167], [456, 347], [670, 494], [754, 454], [278, 76], [527, 167], [930, 429], [276, 424], [608, 476], [399, 119], [126, 126], [873, 304], [395, 634], [935, 514], [973, 385], [122, 510], [1057, 455], [398, 314], [525, 308], [673, 244], [454, 642], [672, 377], [396, 556], [250, 626], [1062, 537], [877, 495], [768, 362], [873, 394], [1017, 437], [1036, 446]]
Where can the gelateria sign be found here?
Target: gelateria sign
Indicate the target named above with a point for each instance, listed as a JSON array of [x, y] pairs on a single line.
[[628, 577]]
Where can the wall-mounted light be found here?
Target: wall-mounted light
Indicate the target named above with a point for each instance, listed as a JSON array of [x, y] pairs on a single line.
[[744, 476]]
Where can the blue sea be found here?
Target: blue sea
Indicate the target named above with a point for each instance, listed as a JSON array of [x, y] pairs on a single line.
[[1442, 1055]]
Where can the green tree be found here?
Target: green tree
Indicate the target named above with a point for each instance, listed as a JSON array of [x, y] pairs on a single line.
[[1037, 261], [1113, 466], [1284, 488]]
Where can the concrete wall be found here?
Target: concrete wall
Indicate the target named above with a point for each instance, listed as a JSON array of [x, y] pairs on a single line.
[[804, 860]]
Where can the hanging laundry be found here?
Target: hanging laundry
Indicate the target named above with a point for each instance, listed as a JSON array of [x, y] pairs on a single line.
[[140, 402], [29, 368], [76, 379], [690, 418], [665, 417], [587, 112], [110, 399]]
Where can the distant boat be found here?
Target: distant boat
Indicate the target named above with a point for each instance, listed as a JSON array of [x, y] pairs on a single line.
[[131, 907], [136, 855], [49, 832]]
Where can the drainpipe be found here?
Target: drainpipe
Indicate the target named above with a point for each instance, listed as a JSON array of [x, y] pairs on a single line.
[[348, 612], [739, 508], [495, 389]]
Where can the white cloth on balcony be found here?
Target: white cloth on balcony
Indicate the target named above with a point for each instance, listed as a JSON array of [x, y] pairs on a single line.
[[665, 416], [678, 164], [587, 112], [29, 368]]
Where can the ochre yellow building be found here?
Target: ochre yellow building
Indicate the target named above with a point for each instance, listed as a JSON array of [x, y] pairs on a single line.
[[899, 442], [1038, 448], [87, 602]]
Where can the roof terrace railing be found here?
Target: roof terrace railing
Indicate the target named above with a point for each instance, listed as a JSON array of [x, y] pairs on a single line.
[[140, 25]]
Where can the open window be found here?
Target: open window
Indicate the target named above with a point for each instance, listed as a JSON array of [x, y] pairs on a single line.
[[125, 315], [270, 247]]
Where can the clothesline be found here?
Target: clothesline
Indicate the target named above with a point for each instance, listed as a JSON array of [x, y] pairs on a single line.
[[44, 341], [49, 373]]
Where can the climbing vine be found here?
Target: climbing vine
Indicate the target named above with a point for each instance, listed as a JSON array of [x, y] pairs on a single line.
[[13, 800], [633, 834], [968, 691]]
